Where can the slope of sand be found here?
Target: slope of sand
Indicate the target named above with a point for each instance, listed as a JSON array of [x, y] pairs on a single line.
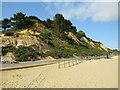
[[102, 73]]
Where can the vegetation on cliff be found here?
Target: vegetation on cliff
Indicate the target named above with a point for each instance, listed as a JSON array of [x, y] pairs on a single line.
[[59, 33]]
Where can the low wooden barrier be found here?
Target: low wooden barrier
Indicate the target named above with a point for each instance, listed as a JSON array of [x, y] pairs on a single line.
[[63, 63]]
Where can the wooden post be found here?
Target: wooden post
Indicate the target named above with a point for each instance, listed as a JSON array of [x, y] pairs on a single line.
[[69, 63], [73, 62], [64, 63], [59, 64]]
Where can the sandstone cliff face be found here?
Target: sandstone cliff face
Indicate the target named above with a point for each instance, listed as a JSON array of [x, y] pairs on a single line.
[[84, 39], [32, 41], [87, 41], [39, 26], [99, 45], [103, 47], [48, 58], [71, 35], [27, 38], [8, 57]]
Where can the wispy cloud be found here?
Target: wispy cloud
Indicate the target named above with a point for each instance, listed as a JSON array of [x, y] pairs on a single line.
[[101, 11]]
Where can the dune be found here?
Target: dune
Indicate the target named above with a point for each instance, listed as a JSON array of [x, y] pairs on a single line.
[[100, 73]]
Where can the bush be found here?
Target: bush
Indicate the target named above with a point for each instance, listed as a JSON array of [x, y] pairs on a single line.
[[70, 41], [80, 34], [51, 44], [6, 49], [61, 52], [22, 53], [45, 36], [9, 33]]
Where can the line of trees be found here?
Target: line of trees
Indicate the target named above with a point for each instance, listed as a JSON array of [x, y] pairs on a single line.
[[20, 21]]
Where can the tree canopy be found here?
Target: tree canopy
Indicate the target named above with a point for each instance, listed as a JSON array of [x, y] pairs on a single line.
[[20, 21], [6, 23], [63, 25]]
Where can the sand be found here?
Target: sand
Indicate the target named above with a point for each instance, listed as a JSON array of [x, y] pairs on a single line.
[[102, 73]]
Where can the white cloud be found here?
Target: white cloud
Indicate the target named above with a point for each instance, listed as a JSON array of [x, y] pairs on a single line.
[[102, 11]]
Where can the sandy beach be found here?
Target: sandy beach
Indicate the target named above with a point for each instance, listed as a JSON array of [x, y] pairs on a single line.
[[101, 73]]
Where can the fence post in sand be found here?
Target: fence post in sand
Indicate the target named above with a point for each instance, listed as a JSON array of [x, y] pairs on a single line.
[[72, 62], [69, 63], [59, 64]]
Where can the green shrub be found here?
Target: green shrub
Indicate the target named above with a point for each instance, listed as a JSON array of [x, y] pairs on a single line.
[[45, 36], [6, 49], [61, 52], [9, 33], [80, 34], [51, 44], [22, 53]]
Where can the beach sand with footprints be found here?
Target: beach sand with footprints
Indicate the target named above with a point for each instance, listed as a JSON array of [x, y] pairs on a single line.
[[100, 73]]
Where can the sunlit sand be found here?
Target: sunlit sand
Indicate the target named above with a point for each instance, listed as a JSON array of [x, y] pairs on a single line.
[[101, 73]]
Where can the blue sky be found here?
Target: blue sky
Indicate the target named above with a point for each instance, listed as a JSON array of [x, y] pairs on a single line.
[[97, 20]]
